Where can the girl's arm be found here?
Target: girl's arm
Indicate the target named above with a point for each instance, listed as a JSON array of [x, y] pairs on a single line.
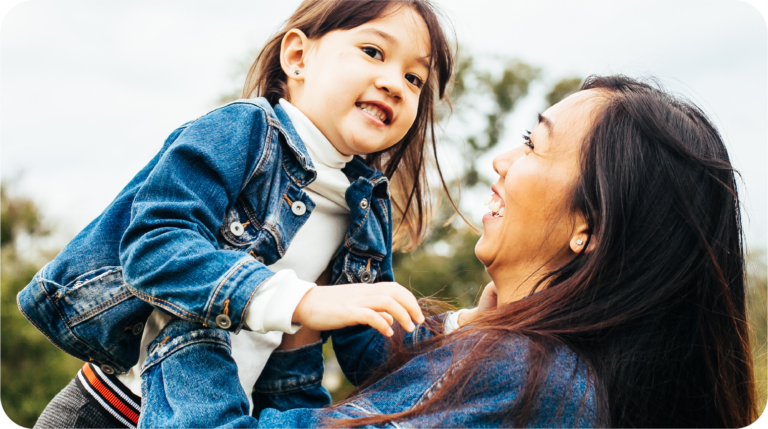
[[169, 253]]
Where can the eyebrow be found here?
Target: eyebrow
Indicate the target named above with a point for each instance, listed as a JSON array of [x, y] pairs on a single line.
[[391, 39], [547, 123]]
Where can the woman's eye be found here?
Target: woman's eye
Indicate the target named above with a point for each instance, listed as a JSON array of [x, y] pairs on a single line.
[[414, 80], [373, 53], [528, 142]]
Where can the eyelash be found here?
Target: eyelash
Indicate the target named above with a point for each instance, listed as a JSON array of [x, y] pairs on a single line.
[[417, 82], [528, 142]]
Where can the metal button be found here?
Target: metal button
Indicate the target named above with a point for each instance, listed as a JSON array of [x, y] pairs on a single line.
[[298, 208], [260, 259], [366, 277], [137, 328], [364, 204], [106, 369], [236, 228], [223, 321]]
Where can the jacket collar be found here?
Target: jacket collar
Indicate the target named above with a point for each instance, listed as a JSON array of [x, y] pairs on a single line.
[[300, 164]]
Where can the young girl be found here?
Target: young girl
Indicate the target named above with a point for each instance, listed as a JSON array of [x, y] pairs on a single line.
[[245, 208]]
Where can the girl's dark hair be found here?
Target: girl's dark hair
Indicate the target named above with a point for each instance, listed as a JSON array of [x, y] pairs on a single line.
[[405, 163], [656, 310]]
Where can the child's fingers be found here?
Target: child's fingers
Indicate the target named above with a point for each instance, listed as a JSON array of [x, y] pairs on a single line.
[[366, 316], [393, 307], [387, 317], [409, 302]]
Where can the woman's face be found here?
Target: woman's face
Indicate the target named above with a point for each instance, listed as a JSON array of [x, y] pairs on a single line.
[[534, 226]]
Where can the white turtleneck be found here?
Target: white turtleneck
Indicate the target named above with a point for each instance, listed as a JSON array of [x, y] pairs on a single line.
[[308, 255]]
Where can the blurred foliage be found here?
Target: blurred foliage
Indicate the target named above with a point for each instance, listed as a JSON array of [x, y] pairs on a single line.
[[32, 370], [757, 289], [562, 89]]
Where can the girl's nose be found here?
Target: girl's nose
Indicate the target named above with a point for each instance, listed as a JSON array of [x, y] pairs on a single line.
[[390, 83], [505, 160]]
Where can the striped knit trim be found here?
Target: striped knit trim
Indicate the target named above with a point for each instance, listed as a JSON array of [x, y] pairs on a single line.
[[119, 402]]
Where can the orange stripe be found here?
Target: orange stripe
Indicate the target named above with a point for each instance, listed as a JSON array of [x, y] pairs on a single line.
[[109, 396]]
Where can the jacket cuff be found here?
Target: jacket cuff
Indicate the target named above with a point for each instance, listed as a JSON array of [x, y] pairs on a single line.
[[272, 306], [227, 307], [451, 321], [291, 370]]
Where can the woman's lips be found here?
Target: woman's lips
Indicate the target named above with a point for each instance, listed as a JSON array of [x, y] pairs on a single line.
[[496, 204]]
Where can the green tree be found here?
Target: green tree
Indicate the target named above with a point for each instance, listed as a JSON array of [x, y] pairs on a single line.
[[757, 289], [32, 369], [562, 89]]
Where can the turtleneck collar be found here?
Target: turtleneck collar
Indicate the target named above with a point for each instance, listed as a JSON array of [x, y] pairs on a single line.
[[321, 151]]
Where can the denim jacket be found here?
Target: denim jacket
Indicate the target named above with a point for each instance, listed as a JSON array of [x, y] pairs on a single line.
[[193, 231], [205, 394]]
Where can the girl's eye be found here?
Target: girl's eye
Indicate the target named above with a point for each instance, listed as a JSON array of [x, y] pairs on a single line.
[[528, 142], [414, 80], [373, 53]]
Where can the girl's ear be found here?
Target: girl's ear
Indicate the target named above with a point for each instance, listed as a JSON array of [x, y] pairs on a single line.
[[293, 52]]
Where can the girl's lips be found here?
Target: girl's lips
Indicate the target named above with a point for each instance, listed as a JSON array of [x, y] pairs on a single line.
[[382, 107], [375, 120]]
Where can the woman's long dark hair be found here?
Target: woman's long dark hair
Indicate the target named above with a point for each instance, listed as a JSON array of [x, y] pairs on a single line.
[[407, 162], [656, 310]]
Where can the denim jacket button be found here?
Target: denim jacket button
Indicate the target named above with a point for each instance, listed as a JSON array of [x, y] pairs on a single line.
[[137, 328], [106, 369], [223, 321], [298, 208], [364, 204], [236, 228], [366, 277]]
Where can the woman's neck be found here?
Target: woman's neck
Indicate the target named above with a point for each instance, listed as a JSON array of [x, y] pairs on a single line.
[[512, 286]]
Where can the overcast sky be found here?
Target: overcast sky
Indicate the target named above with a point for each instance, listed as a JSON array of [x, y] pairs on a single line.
[[89, 90]]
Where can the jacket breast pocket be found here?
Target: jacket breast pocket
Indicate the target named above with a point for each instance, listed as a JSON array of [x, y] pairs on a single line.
[[361, 270], [241, 228]]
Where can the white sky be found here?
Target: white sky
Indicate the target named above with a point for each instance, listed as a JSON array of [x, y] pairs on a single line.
[[89, 90]]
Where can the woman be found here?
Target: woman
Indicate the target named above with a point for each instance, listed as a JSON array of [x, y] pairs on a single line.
[[616, 253]]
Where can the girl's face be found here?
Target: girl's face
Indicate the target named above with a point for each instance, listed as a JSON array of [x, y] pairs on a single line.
[[535, 228], [361, 87]]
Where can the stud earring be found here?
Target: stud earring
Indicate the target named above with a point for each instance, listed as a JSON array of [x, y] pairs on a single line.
[[579, 242], [296, 72]]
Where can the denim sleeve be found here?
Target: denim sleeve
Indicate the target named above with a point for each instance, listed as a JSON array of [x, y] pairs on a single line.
[[169, 252], [361, 349], [189, 379], [292, 379]]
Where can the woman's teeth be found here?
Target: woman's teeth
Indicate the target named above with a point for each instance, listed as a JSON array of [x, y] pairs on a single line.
[[373, 110], [495, 205]]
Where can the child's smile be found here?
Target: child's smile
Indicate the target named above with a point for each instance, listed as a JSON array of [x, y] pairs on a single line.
[[361, 87]]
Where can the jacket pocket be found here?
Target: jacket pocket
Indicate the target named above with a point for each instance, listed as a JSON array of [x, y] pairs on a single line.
[[100, 319], [241, 229]]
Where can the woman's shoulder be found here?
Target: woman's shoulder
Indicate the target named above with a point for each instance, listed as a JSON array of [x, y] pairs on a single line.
[[512, 361]]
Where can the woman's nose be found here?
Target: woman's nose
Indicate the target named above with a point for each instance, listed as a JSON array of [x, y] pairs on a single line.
[[505, 160]]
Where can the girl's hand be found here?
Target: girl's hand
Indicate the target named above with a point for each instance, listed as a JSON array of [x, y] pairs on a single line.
[[378, 305], [488, 301]]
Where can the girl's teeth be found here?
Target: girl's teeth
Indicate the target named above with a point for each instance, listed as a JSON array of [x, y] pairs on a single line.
[[488, 200], [373, 110]]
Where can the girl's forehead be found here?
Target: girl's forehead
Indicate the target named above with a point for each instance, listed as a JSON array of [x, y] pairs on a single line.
[[402, 26]]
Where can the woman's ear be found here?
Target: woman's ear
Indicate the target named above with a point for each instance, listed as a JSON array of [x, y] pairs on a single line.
[[581, 240], [293, 50]]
